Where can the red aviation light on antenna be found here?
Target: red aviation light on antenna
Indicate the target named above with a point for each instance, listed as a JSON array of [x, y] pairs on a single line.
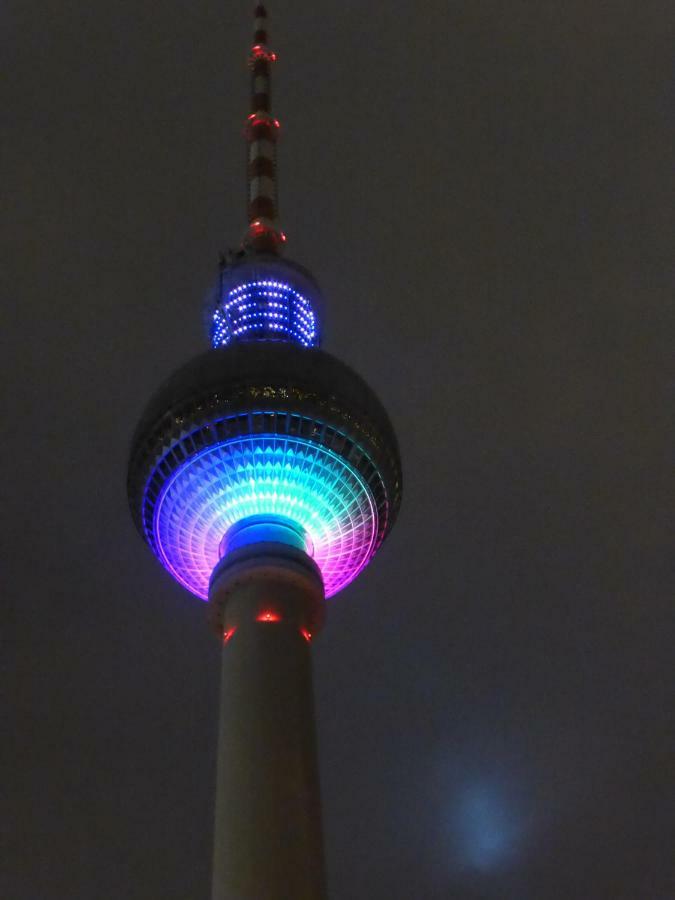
[[262, 118], [259, 51], [258, 229]]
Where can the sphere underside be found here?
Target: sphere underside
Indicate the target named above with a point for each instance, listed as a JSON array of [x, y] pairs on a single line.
[[264, 429], [265, 474]]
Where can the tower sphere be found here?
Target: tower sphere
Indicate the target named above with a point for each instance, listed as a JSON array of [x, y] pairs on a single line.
[[270, 428], [265, 431]]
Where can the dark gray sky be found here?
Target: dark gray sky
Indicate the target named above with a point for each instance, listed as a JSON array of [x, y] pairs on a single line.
[[485, 191]]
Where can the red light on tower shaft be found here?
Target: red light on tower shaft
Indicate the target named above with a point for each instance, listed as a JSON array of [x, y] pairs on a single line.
[[268, 615]]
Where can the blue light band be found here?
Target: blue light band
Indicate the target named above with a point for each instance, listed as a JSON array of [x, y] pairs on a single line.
[[264, 309]]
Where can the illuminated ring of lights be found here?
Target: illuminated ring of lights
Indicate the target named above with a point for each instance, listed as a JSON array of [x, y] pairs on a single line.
[[264, 308], [265, 473]]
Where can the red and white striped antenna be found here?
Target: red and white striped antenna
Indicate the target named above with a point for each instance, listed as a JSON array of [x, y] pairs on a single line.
[[264, 234]]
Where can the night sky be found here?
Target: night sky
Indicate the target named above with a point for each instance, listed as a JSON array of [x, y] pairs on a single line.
[[485, 192]]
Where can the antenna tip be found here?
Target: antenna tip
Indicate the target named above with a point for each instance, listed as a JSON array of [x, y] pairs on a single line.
[[260, 11]]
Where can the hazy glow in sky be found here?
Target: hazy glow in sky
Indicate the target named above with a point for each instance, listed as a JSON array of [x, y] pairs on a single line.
[[483, 819], [486, 827]]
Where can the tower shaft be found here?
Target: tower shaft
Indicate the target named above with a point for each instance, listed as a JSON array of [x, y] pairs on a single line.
[[268, 837]]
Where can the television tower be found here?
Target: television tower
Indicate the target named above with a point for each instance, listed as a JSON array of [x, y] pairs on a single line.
[[264, 475]]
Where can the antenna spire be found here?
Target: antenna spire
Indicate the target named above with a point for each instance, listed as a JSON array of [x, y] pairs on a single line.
[[264, 232]]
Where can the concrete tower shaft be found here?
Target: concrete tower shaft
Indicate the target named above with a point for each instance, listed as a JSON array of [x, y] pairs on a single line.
[[265, 597]]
